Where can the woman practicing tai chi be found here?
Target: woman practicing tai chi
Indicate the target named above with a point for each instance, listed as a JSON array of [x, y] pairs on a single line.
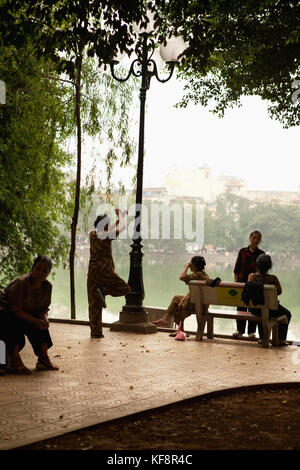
[[102, 279], [181, 306]]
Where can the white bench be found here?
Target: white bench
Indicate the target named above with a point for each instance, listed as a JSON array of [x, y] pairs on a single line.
[[229, 294]]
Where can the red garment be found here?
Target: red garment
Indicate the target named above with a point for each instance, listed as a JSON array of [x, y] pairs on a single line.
[[246, 263]]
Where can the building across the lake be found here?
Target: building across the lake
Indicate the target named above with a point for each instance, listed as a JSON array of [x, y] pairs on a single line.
[[199, 184], [157, 194], [286, 197]]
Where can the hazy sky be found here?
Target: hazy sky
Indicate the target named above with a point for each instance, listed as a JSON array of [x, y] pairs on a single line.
[[246, 143]]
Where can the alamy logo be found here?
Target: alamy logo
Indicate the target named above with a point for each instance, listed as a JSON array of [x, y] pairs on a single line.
[[158, 222], [2, 92], [296, 94], [2, 352]]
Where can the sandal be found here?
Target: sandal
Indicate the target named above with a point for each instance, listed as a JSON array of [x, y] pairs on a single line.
[[213, 282], [173, 335], [283, 343], [102, 296], [45, 366], [19, 369]]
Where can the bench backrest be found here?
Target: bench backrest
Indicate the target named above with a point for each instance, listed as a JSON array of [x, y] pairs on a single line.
[[229, 294]]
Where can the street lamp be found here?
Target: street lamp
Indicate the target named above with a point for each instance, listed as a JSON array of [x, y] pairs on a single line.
[[133, 316]]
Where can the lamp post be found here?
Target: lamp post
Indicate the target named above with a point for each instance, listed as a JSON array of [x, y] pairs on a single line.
[[133, 316]]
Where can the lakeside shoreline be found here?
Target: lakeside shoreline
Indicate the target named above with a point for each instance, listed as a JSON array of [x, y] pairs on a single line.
[[291, 260], [160, 276]]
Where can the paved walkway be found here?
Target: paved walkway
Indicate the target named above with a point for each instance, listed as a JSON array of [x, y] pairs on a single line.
[[124, 373]]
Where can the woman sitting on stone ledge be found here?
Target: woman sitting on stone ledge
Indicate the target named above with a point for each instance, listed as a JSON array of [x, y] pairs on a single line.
[[24, 304]]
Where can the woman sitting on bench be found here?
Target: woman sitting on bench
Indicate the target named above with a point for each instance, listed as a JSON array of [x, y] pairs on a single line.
[[180, 306], [263, 264]]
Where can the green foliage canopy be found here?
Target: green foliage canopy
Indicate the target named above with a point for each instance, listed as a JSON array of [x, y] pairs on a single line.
[[33, 124], [236, 217], [60, 28], [238, 48]]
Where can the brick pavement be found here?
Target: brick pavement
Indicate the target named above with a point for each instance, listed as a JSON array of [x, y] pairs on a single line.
[[125, 373]]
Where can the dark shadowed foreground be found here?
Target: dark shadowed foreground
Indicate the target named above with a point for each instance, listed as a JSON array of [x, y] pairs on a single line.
[[262, 418]]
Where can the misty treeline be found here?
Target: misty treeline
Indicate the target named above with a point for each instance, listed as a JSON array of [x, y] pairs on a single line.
[[236, 217], [226, 224]]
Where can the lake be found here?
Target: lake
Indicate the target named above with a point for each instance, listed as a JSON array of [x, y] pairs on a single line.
[[161, 282]]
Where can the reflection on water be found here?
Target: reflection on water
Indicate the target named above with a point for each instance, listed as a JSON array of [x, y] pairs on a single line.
[[161, 281]]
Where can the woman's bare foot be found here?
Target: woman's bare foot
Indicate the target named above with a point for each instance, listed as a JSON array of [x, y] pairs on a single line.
[[44, 363], [18, 367], [16, 364], [161, 322]]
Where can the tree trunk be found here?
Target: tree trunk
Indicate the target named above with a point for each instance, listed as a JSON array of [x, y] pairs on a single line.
[[78, 68]]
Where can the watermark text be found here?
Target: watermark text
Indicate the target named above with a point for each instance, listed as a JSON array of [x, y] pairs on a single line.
[[155, 222]]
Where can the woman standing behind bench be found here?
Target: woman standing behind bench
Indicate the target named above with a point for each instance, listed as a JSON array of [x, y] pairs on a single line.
[[264, 263], [245, 265]]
